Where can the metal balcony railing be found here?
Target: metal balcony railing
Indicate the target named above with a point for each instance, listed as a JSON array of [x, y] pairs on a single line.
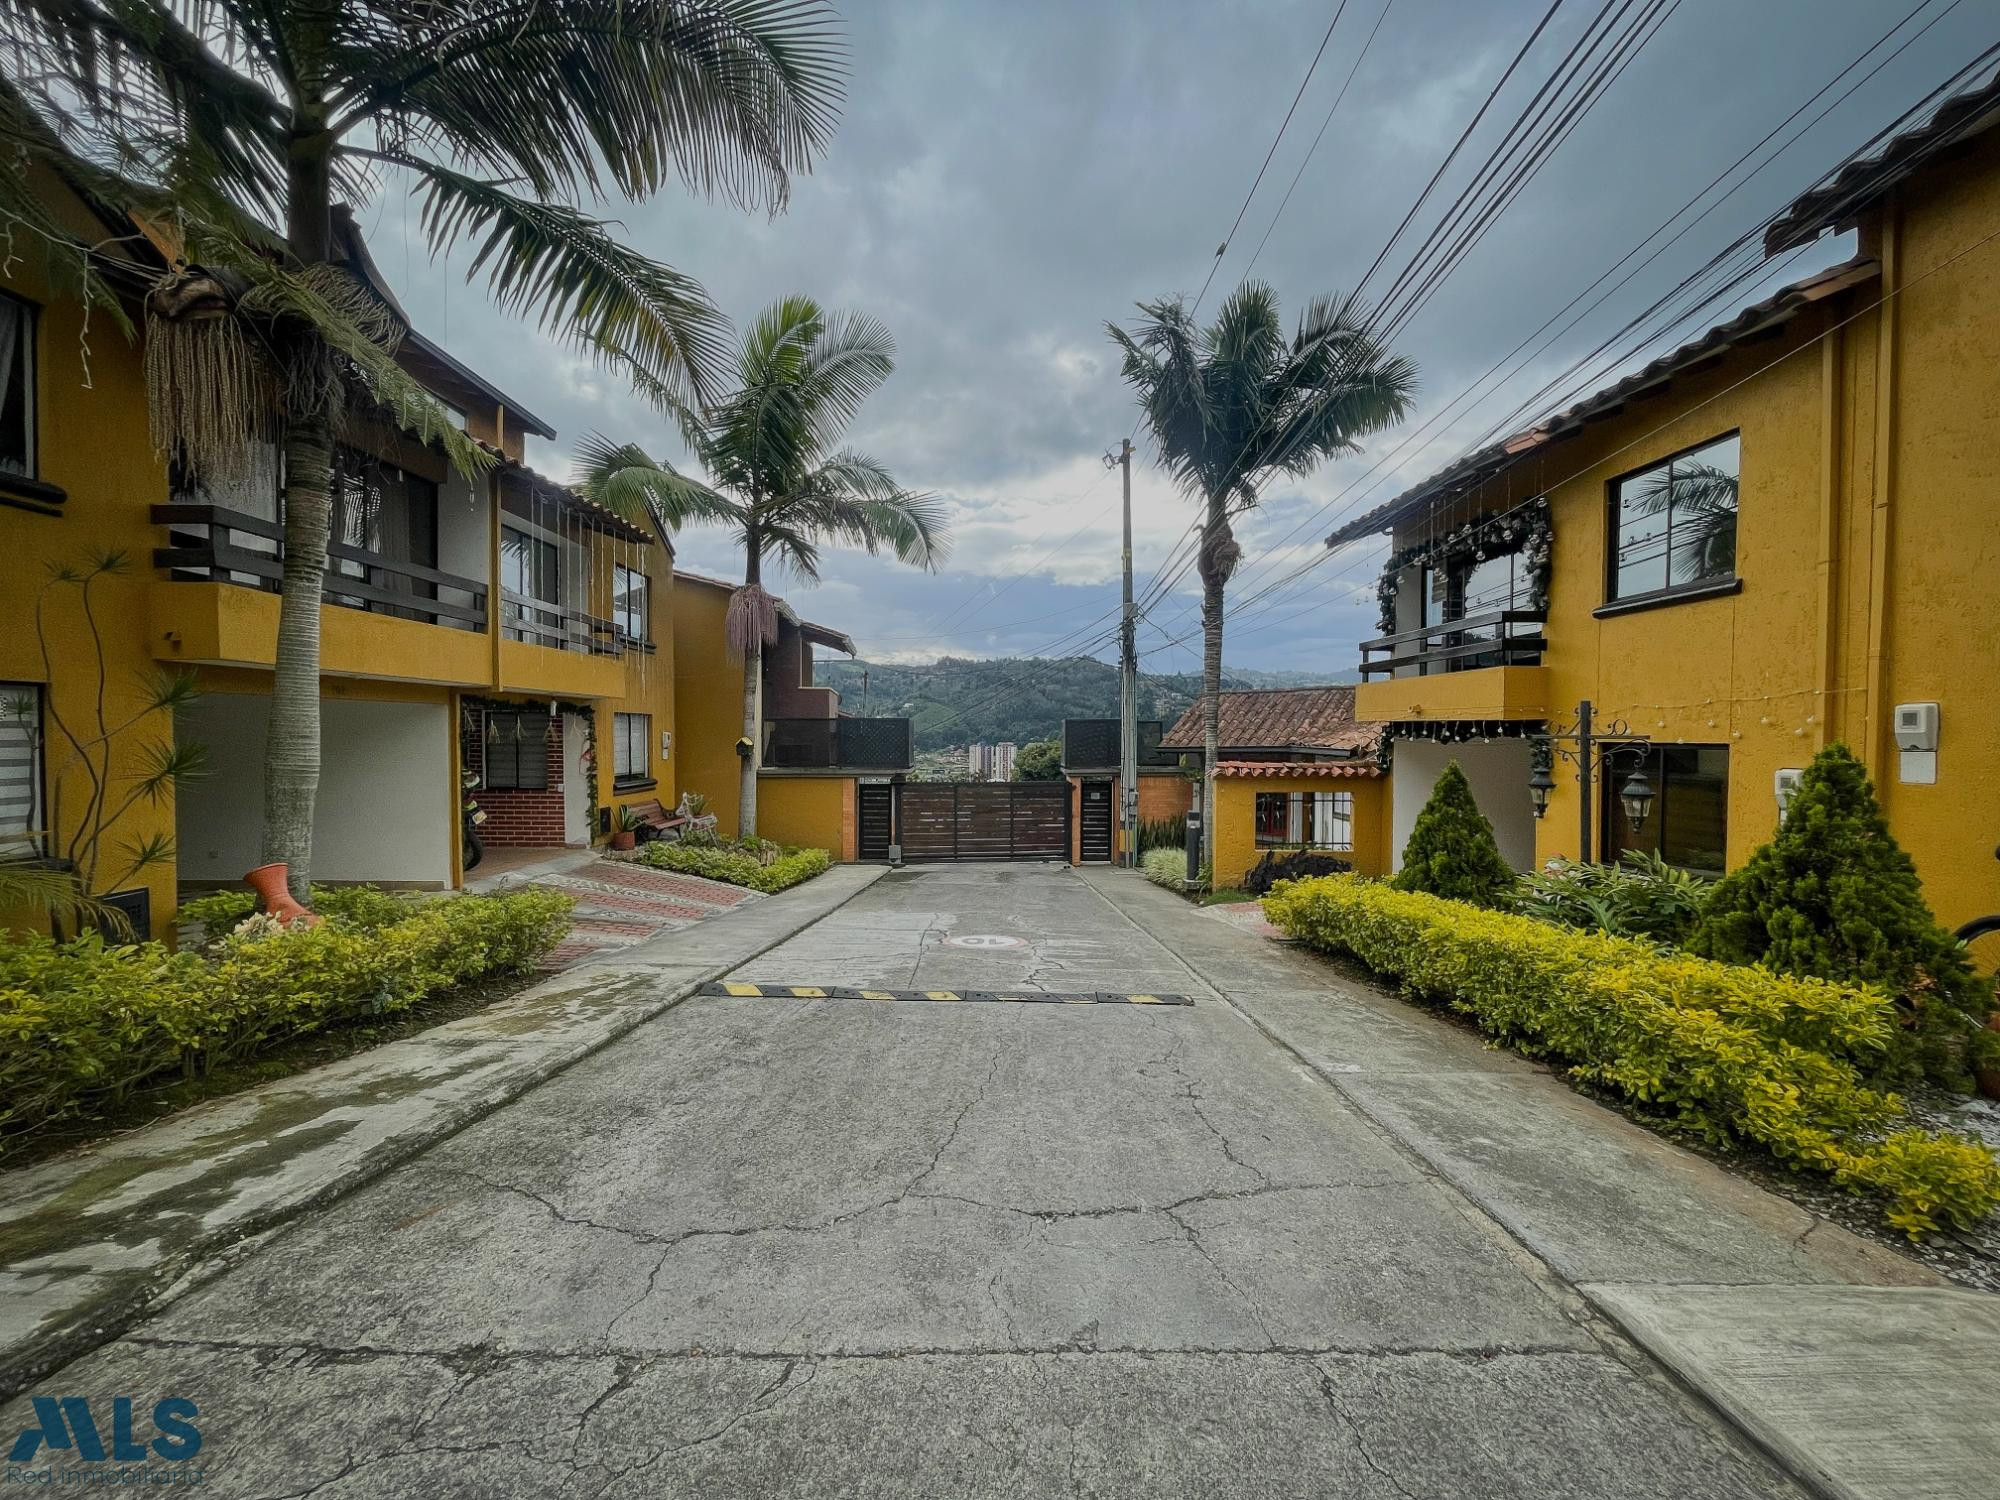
[[842, 744], [1498, 638]]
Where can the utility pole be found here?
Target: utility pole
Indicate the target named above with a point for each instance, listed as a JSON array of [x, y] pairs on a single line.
[[1128, 681]]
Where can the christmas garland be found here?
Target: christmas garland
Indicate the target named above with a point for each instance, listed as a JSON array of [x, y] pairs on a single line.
[[1527, 531]]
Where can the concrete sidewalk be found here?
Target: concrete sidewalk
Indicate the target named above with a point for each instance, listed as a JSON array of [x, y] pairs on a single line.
[[89, 1241], [1862, 1371]]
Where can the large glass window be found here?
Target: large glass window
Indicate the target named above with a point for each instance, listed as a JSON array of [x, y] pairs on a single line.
[[17, 387], [531, 571], [628, 603], [1674, 523], [1689, 823], [20, 765], [1305, 820], [632, 737], [517, 751]]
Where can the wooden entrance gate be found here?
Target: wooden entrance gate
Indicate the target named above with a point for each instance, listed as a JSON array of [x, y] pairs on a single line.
[[983, 820]]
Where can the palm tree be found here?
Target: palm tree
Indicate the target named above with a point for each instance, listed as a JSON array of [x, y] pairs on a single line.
[[1234, 403], [211, 123], [775, 475]]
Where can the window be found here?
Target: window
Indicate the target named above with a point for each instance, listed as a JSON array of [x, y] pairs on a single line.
[[633, 736], [1689, 823], [628, 603], [517, 751], [531, 571], [1308, 820], [20, 765], [17, 387], [1673, 523]]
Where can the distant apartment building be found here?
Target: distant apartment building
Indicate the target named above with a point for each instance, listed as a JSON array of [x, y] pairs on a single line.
[[984, 762]]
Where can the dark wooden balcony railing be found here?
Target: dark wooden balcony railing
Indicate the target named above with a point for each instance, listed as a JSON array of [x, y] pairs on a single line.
[[540, 623], [1498, 638], [211, 543], [844, 744]]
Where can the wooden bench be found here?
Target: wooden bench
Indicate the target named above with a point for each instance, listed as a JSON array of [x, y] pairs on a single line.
[[654, 820]]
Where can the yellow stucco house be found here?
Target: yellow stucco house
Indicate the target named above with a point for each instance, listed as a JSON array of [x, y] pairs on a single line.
[[1783, 534], [501, 632]]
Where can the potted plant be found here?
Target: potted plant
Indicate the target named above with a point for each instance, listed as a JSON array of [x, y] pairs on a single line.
[[626, 834]]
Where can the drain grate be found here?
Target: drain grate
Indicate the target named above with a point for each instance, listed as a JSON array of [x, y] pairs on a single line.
[[1011, 997]]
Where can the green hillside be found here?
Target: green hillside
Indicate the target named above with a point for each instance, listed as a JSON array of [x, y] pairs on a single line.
[[954, 701]]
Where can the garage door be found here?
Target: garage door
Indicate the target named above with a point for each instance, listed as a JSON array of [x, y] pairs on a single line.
[[983, 820]]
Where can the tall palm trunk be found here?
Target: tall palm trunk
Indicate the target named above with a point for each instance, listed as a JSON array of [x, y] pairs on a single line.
[[292, 737], [753, 707], [291, 748], [1217, 551]]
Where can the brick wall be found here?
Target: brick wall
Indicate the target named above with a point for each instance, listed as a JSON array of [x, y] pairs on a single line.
[[517, 819]]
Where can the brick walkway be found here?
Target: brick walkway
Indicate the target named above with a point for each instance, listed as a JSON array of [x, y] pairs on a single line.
[[619, 904]]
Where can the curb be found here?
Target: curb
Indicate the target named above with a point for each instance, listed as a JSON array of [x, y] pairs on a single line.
[[104, 1316]]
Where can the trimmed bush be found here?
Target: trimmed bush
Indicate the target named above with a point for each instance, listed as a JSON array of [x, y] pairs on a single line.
[[1167, 867], [83, 1022], [736, 867], [1834, 896], [1451, 850], [1737, 1054], [365, 908]]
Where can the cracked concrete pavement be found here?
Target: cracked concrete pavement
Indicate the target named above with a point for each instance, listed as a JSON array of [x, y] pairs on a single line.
[[786, 1247]]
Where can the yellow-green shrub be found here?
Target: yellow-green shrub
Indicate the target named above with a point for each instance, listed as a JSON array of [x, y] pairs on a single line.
[[83, 1022], [738, 867], [1737, 1053]]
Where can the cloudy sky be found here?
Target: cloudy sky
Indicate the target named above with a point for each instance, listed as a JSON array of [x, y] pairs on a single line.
[[1009, 174]]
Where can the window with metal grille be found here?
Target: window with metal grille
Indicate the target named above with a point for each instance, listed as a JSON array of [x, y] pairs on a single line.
[[517, 751], [1305, 820], [17, 387]]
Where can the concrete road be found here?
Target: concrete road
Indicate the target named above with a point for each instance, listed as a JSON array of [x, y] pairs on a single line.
[[835, 1247]]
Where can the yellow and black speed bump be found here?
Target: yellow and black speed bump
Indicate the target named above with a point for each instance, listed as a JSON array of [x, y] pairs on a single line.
[[1017, 997]]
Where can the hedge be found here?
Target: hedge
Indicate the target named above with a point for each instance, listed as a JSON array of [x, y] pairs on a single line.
[[365, 907], [83, 1022], [734, 867], [1738, 1054]]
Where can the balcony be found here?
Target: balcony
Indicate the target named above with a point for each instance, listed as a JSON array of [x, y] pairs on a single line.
[[210, 543], [1485, 666], [842, 744]]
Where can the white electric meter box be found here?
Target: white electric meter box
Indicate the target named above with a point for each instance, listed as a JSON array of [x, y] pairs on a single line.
[[1916, 743], [1916, 726]]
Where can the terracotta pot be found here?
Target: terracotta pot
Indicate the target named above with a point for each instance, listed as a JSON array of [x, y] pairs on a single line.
[[625, 838], [268, 881], [1988, 1079]]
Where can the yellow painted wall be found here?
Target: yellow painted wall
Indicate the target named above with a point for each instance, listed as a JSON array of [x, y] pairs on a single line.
[[1868, 546], [1236, 821], [708, 702], [648, 684], [812, 812], [93, 443]]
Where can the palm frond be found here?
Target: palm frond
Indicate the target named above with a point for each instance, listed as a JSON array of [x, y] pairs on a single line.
[[625, 479], [733, 96], [561, 266], [855, 498]]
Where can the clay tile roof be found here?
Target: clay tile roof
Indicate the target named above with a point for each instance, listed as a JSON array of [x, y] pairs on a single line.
[[1247, 770], [1313, 718]]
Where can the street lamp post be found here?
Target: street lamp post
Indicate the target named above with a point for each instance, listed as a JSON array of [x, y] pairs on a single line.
[[1591, 750]]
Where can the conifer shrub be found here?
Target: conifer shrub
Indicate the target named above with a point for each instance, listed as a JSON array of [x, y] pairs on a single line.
[[1451, 852], [1738, 1054], [1833, 896]]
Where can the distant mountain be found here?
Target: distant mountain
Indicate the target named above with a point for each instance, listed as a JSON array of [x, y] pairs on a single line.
[[955, 701]]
